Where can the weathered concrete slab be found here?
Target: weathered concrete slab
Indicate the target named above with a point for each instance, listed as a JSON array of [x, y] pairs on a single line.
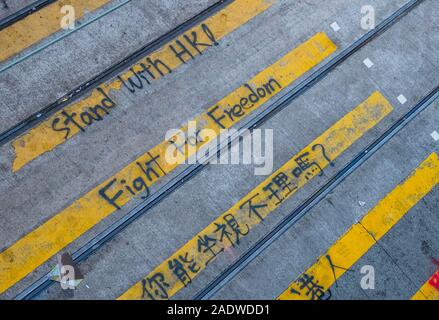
[[9, 7], [153, 239]]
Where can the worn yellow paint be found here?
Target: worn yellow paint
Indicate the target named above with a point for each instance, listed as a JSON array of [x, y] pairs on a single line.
[[335, 141], [430, 290], [43, 138], [364, 234], [40, 25], [36, 247]]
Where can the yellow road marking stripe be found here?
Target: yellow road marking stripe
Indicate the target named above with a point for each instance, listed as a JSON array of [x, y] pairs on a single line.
[[430, 290], [225, 232], [53, 132], [363, 235], [135, 179], [40, 25]]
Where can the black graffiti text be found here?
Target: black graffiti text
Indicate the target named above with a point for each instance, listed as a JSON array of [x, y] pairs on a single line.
[[66, 121]]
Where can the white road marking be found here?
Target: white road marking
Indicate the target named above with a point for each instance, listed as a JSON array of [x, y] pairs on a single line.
[[368, 63], [335, 26], [402, 99]]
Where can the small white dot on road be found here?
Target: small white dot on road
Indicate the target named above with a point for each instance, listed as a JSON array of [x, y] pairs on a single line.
[[368, 63], [435, 135], [402, 99], [335, 26]]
